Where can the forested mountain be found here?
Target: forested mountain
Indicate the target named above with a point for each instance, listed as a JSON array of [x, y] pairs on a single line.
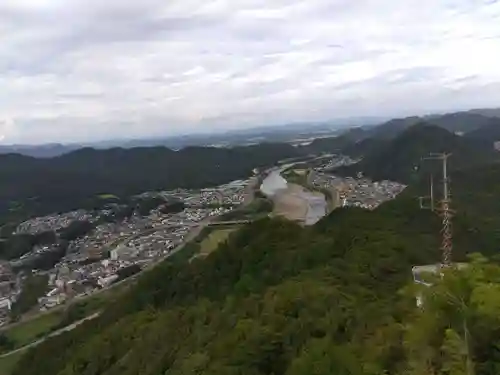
[[364, 147], [362, 141], [29, 185], [490, 112], [489, 133], [401, 159], [285, 300], [459, 122], [39, 151], [392, 128]]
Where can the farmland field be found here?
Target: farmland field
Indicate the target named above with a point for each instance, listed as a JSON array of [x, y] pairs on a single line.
[[30, 331], [215, 238]]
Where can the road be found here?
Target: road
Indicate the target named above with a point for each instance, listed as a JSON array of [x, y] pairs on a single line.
[[53, 334], [192, 235]]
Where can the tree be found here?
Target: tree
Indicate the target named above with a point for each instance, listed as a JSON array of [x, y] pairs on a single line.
[[459, 321], [76, 229], [125, 272], [321, 357], [454, 354], [34, 287], [6, 344], [16, 246]]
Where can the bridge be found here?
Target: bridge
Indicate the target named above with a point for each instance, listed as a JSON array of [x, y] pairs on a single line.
[[230, 222]]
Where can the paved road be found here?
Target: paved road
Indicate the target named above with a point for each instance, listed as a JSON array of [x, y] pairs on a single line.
[[192, 235], [53, 334]]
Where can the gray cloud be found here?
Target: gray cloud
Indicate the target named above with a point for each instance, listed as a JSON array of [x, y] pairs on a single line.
[[89, 69]]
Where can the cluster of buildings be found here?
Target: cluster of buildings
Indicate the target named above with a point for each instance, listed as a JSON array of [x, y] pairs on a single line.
[[367, 194], [231, 194], [166, 233], [52, 222], [357, 192], [94, 261], [337, 161], [94, 244], [9, 291]]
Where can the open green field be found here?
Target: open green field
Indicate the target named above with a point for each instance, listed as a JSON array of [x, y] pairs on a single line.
[[7, 363], [26, 333], [213, 240], [107, 196]]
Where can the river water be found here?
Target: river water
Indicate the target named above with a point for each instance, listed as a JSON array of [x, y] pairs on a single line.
[[273, 183], [316, 203]]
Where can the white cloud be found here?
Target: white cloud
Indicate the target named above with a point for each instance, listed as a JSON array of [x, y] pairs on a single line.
[[89, 69]]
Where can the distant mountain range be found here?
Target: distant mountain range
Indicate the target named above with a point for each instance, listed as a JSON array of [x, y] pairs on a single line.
[[360, 128], [280, 133], [39, 151], [489, 112], [34, 186]]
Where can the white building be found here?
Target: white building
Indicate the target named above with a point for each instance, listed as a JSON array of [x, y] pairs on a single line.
[[423, 275], [123, 252], [50, 301], [106, 281], [5, 304]]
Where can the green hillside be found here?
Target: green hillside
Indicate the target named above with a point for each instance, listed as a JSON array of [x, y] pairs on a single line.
[[266, 300], [401, 159], [252, 307], [275, 299]]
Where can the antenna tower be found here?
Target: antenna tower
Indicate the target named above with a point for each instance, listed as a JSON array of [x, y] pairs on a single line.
[[430, 197], [444, 210]]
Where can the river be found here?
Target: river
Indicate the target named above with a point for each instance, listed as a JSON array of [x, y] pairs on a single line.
[[273, 183], [317, 205]]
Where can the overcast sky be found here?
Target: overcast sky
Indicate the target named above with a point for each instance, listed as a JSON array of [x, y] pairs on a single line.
[[73, 70]]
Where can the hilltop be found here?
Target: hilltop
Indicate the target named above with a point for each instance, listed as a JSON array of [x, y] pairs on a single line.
[[38, 186], [401, 158], [458, 122], [488, 134]]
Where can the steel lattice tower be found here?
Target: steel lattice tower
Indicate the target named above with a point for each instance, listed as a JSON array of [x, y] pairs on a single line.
[[447, 245], [445, 212]]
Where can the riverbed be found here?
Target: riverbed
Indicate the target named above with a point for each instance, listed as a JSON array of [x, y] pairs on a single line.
[[294, 201]]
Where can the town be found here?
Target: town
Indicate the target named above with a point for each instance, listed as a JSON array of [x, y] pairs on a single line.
[[115, 249], [105, 254], [354, 192], [361, 192]]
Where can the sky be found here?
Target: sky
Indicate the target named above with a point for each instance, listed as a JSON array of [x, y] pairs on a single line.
[[82, 70]]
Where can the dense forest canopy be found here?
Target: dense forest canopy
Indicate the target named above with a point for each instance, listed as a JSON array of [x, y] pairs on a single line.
[[401, 159]]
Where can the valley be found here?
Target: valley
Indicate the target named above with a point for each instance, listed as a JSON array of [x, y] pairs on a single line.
[[320, 262]]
